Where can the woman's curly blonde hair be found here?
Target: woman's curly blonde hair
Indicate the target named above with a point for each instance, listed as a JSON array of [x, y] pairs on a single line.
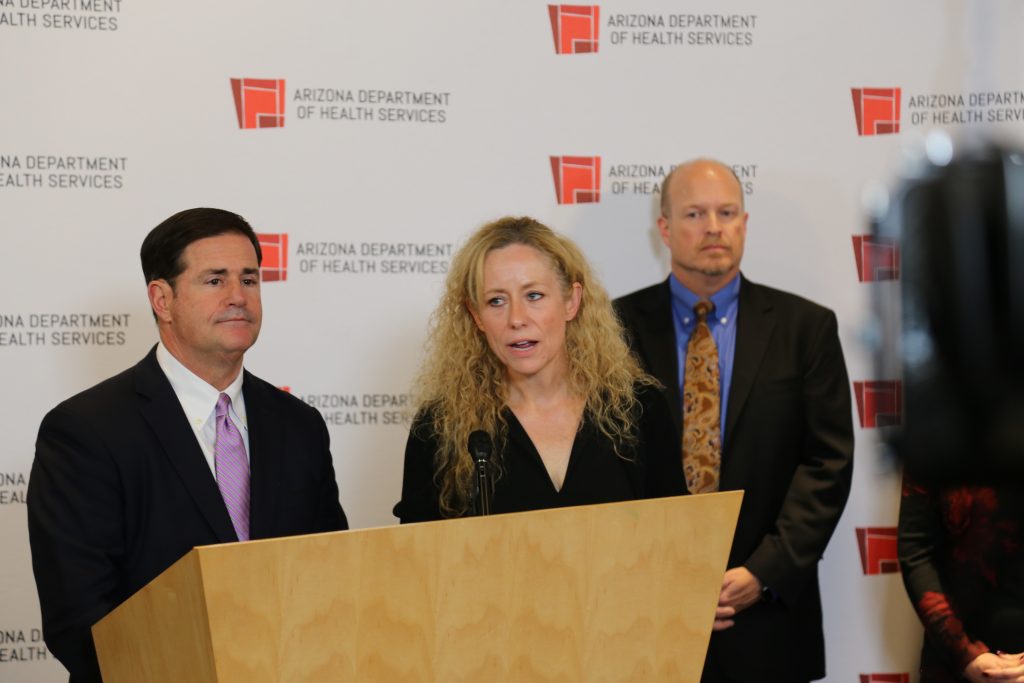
[[462, 385]]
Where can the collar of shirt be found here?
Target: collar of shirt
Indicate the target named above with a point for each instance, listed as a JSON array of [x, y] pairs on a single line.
[[726, 301], [199, 401]]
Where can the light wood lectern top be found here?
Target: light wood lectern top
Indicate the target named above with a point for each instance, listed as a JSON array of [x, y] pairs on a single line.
[[617, 592]]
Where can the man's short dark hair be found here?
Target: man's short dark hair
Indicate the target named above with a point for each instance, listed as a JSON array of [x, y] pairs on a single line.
[[162, 249]]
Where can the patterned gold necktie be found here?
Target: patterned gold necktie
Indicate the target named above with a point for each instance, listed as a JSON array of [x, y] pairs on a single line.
[[702, 395]]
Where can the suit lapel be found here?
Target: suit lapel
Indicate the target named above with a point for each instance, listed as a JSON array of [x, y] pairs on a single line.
[[658, 342], [162, 411], [266, 444], [754, 328]]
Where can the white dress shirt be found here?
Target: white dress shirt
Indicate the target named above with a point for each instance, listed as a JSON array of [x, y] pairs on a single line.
[[199, 401]]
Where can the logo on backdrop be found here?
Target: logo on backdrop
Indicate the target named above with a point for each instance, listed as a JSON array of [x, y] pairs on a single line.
[[350, 258], [362, 410], [87, 15], [879, 402], [577, 179], [878, 258], [259, 102], [575, 28], [877, 110], [22, 645], [274, 246], [877, 546], [13, 487], [948, 109], [62, 171], [63, 329], [885, 678]]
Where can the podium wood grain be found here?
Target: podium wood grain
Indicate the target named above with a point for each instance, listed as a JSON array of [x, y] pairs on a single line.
[[618, 592]]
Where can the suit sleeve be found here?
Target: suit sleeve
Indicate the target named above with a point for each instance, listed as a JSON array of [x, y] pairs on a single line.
[[820, 484], [920, 530], [331, 515], [625, 317], [76, 532], [658, 447]]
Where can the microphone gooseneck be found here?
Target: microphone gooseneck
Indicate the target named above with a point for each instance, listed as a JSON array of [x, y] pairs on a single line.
[[480, 447]]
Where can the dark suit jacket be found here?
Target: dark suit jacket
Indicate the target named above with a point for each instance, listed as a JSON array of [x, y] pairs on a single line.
[[120, 490], [789, 446]]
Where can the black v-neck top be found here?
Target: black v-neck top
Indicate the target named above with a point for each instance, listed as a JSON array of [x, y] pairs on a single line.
[[595, 474]]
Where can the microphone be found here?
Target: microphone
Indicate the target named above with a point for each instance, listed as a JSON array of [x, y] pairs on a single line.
[[480, 448]]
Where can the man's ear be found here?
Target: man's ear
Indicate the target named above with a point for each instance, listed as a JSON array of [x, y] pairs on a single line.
[[663, 231], [161, 295]]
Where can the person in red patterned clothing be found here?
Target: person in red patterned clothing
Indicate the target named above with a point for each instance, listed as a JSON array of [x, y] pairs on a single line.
[[961, 552]]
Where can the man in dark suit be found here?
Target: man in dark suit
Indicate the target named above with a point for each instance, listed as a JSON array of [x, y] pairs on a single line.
[[184, 449], [783, 434]]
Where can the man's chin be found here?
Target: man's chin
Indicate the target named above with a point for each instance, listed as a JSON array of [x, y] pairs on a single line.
[[714, 271], [238, 344]]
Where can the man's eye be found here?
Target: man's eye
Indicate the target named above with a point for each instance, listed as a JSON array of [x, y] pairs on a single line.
[[214, 281]]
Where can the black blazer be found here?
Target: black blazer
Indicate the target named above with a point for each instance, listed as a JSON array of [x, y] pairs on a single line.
[[120, 490], [788, 445]]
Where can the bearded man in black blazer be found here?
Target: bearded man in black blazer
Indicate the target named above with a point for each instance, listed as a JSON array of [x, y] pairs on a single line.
[[786, 424], [128, 475]]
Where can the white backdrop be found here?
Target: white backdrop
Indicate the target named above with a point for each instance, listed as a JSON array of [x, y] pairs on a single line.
[[408, 124]]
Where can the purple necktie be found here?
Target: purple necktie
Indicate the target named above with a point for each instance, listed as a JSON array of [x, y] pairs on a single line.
[[232, 469]]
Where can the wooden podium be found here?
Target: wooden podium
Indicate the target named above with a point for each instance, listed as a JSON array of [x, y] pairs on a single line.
[[618, 592]]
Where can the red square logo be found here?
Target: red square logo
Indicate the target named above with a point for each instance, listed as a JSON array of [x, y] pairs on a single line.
[[877, 110], [259, 102], [879, 402], [275, 256], [577, 179], [885, 678], [574, 28], [878, 258], [877, 546]]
